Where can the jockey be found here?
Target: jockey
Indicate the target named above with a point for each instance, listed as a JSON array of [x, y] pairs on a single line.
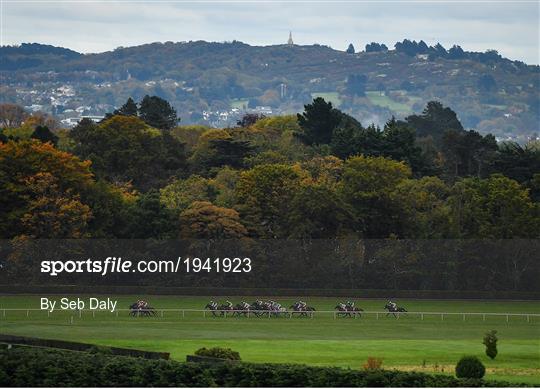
[[392, 304], [350, 304], [229, 304]]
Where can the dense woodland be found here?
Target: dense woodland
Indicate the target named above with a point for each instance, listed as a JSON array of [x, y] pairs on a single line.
[[318, 175]]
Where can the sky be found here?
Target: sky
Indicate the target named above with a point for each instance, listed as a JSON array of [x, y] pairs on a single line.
[[90, 26]]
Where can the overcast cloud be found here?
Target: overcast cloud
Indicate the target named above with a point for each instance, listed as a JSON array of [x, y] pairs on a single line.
[[510, 27]]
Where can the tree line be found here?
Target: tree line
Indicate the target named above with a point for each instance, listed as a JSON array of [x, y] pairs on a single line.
[[318, 175]]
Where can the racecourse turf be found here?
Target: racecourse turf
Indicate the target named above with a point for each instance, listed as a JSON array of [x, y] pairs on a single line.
[[410, 342]]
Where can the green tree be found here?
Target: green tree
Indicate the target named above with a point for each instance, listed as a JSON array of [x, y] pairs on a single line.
[[423, 209], [467, 153], [367, 184], [128, 109], [149, 218], [350, 49], [158, 113], [434, 120], [125, 149], [495, 208], [317, 122], [318, 212], [264, 195], [490, 341], [43, 134]]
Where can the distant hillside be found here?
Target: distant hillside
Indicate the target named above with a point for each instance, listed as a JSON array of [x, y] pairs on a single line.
[[32, 55], [490, 93]]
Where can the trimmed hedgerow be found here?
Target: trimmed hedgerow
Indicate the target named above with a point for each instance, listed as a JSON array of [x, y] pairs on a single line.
[[218, 352], [41, 367]]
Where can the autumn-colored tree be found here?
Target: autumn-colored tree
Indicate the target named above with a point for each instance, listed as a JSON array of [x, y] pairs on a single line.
[[325, 171], [264, 194], [19, 162], [52, 213], [204, 220], [179, 194]]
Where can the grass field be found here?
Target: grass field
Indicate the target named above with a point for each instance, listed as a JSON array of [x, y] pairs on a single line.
[[384, 101], [407, 343]]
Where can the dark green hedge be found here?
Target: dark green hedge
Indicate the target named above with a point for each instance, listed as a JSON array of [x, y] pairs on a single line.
[[78, 346], [40, 367]]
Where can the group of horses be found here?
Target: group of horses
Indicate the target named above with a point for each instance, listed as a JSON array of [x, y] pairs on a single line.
[[269, 308], [259, 308]]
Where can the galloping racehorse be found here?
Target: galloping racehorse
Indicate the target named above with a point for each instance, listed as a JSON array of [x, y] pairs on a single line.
[[394, 309], [347, 310], [141, 308], [302, 309]]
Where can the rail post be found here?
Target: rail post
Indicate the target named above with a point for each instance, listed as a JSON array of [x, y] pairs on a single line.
[[27, 312], [183, 313], [93, 313], [484, 317], [48, 313], [269, 314], [116, 313], [507, 318], [377, 316], [204, 313], [442, 316], [334, 315], [4, 313], [528, 319], [80, 313], [71, 319], [421, 316], [463, 317]]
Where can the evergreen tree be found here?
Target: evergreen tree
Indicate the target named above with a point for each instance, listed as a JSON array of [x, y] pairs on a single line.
[[128, 109], [318, 122], [43, 134], [158, 113], [350, 49]]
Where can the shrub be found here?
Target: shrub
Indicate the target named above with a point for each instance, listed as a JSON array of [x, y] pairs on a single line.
[[218, 352], [470, 367], [373, 363], [490, 340]]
